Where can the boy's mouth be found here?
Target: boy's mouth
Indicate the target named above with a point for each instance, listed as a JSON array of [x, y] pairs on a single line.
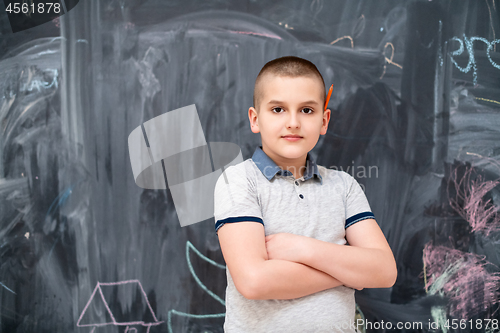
[[292, 137]]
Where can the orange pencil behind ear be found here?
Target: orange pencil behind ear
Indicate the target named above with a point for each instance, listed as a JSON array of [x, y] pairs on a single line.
[[328, 97]]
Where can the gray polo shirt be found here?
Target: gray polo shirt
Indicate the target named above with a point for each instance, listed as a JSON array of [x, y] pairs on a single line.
[[321, 205]]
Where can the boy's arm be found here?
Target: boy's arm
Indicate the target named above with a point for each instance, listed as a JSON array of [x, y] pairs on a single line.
[[244, 250], [367, 262]]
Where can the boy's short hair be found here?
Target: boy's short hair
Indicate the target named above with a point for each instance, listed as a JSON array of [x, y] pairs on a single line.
[[286, 66]]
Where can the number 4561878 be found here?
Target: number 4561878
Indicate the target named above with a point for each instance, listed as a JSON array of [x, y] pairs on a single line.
[[39, 8]]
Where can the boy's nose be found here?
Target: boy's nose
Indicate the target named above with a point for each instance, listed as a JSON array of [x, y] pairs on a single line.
[[293, 120]]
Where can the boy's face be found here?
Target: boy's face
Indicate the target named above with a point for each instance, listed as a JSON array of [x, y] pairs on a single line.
[[289, 106]]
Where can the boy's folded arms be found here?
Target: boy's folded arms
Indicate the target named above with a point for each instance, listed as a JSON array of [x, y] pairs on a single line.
[[258, 276], [367, 262]]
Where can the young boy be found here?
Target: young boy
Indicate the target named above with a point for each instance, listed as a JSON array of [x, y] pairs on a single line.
[[283, 221]]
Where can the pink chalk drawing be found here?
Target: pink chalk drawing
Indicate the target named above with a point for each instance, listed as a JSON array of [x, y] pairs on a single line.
[[106, 316], [462, 278], [482, 215]]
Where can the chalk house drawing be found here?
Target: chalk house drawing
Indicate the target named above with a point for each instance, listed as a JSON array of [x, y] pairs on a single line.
[[104, 307]]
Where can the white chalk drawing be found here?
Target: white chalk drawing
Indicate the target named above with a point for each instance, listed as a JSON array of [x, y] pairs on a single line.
[[98, 299], [171, 149], [472, 63], [3, 285]]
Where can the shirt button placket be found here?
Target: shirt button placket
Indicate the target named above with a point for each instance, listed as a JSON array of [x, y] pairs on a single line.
[[300, 194]]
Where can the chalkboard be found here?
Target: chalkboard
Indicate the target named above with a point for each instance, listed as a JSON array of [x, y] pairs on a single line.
[[415, 119]]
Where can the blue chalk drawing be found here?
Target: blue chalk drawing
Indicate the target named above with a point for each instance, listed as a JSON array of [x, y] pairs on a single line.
[[190, 247]]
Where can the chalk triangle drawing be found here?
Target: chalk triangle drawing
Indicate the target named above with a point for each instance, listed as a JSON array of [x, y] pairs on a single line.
[[122, 303]]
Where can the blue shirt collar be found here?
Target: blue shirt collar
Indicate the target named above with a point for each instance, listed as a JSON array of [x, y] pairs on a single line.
[[269, 169]]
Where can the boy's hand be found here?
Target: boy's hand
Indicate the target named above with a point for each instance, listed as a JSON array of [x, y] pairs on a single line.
[[285, 246]]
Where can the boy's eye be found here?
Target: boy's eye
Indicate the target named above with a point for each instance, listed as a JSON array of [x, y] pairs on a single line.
[[309, 111]]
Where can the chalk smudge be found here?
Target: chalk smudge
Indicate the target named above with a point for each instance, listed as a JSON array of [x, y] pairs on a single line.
[[461, 277], [469, 200]]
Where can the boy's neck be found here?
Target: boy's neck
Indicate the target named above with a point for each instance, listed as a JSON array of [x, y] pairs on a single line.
[[296, 166]]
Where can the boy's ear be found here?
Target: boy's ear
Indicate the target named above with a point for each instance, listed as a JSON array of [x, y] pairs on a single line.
[[253, 116], [326, 121]]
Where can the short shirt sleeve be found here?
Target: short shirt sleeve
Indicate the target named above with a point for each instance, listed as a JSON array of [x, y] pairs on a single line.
[[357, 207], [235, 197]]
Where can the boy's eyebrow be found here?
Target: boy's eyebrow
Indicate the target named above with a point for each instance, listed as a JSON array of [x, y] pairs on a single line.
[[280, 102]]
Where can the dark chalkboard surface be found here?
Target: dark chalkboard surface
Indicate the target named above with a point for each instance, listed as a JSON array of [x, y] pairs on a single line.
[[415, 119]]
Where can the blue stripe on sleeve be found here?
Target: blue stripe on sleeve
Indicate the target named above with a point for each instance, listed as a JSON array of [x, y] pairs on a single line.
[[220, 223], [358, 217]]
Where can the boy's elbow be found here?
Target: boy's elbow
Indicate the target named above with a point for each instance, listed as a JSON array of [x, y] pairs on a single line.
[[394, 276], [391, 275], [248, 286], [386, 274], [251, 293]]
